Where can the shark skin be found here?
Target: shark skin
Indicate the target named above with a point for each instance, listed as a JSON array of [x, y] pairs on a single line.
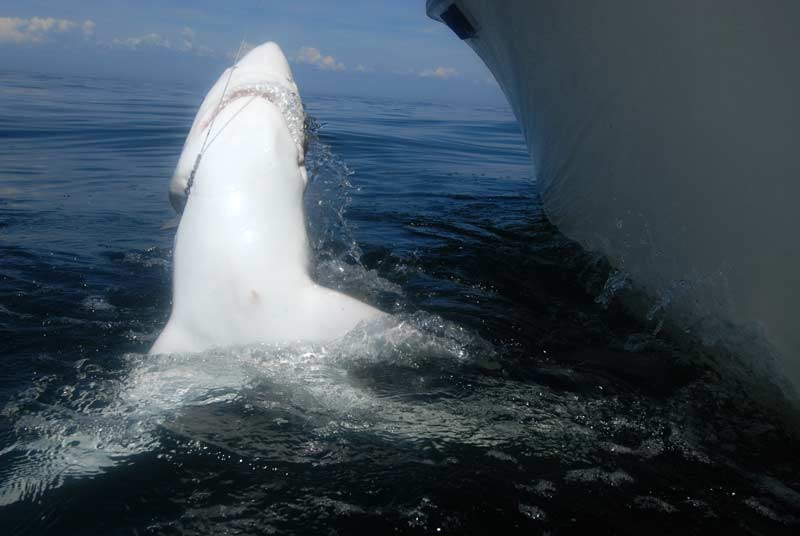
[[241, 255]]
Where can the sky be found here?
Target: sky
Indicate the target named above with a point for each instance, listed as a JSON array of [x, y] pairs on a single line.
[[377, 48]]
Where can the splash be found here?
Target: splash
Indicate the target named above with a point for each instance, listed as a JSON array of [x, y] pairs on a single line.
[[107, 416]]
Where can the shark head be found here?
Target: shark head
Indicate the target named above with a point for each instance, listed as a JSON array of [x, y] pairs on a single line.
[[262, 76]]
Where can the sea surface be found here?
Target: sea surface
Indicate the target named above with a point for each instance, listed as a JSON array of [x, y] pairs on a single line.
[[509, 393]]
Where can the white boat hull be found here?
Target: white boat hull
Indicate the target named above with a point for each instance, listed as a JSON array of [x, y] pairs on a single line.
[[666, 135]]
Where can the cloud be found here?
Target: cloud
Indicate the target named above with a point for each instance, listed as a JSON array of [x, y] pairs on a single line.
[[10, 31], [184, 43], [151, 40], [313, 56], [38, 25], [39, 29], [188, 43], [442, 73], [88, 28], [188, 37]]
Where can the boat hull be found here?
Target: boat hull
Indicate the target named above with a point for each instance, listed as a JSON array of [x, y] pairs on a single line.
[[665, 135]]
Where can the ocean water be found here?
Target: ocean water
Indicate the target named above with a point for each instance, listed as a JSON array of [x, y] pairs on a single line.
[[509, 392]]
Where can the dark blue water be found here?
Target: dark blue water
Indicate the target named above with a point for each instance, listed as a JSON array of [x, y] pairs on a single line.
[[513, 394]]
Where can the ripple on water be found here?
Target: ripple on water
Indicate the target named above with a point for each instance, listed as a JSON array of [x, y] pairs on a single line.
[[508, 391]]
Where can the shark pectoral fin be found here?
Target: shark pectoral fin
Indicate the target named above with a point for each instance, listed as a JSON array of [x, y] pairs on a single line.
[[331, 314], [176, 338], [169, 341]]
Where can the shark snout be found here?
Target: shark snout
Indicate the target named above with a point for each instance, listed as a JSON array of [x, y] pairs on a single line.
[[268, 61]]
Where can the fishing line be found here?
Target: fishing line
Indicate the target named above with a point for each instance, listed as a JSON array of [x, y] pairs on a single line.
[[206, 144], [240, 110], [190, 182]]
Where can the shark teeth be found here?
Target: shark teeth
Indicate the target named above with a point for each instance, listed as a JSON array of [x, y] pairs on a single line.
[[286, 98]]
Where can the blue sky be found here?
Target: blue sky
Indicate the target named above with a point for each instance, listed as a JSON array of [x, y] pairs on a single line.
[[382, 48]]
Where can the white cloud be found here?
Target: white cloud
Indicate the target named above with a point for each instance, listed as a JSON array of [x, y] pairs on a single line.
[[188, 38], [188, 43], [439, 72], [37, 25], [313, 56], [185, 43], [39, 29], [10, 31], [151, 40], [88, 28]]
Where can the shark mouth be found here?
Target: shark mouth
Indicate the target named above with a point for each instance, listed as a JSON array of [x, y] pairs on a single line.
[[283, 96]]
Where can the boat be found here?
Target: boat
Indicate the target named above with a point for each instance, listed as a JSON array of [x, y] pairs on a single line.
[[665, 136]]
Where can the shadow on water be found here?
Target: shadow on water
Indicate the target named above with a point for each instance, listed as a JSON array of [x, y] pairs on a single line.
[[511, 390]]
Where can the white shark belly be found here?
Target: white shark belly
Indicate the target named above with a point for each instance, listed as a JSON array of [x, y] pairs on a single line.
[[241, 256]]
